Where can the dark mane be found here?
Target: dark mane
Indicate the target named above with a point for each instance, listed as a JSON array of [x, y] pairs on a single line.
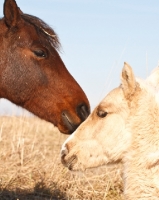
[[43, 28]]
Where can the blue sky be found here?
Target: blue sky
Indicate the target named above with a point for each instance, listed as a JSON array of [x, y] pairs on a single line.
[[97, 36]]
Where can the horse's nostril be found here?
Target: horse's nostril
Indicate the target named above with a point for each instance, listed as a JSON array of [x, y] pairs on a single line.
[[83, 111], [68, 122]]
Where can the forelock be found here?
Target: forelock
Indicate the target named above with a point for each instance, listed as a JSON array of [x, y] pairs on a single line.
[[43, 28]]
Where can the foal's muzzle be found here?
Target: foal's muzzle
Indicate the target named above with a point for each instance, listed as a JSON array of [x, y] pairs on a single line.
[[82, 111], [69, 162]]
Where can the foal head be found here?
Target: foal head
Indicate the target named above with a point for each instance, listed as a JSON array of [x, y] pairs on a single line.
[[104, 137], [32, 74]]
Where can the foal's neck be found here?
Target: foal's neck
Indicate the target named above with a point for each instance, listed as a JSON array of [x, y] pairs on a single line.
[[141, 162]]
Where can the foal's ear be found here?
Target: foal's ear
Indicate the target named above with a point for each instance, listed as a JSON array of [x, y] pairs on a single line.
[[11, 13], [128, 80], [153, 79]]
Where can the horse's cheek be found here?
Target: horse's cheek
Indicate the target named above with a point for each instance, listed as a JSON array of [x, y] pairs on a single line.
[[21, 81]]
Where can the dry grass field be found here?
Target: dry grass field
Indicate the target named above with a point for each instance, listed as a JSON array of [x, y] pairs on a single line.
[[30, 167]]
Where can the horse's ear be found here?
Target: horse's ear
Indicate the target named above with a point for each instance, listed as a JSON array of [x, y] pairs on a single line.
[[11, 13], [128, 81]]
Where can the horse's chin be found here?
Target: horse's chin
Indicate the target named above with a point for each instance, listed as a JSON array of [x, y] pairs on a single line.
[[65, 129]]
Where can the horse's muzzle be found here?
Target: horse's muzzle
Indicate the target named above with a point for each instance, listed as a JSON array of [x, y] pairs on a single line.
[[82, 112]]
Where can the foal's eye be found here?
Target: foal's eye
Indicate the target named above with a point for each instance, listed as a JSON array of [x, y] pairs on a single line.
[[101, 113], [40, 53]]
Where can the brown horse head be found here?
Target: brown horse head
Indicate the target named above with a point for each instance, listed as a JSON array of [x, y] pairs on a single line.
[[32, 74]]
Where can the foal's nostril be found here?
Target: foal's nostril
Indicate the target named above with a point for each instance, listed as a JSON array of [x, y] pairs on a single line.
[[83, 111], [64, 152]]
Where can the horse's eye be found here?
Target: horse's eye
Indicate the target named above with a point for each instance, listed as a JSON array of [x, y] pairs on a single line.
[[101, 113], [40, 53]]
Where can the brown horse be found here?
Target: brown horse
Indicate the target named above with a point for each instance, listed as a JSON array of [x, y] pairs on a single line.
[[32, 74]]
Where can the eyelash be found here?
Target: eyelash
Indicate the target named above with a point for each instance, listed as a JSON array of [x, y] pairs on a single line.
[[101, 113], [40, 53]]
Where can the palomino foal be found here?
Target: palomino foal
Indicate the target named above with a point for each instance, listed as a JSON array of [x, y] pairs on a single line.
[[124, 126]]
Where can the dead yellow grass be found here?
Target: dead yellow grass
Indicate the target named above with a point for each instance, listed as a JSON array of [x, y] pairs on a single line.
[[30, 167]]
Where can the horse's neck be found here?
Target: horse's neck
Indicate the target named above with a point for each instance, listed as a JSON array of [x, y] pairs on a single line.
[[2, 52]]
